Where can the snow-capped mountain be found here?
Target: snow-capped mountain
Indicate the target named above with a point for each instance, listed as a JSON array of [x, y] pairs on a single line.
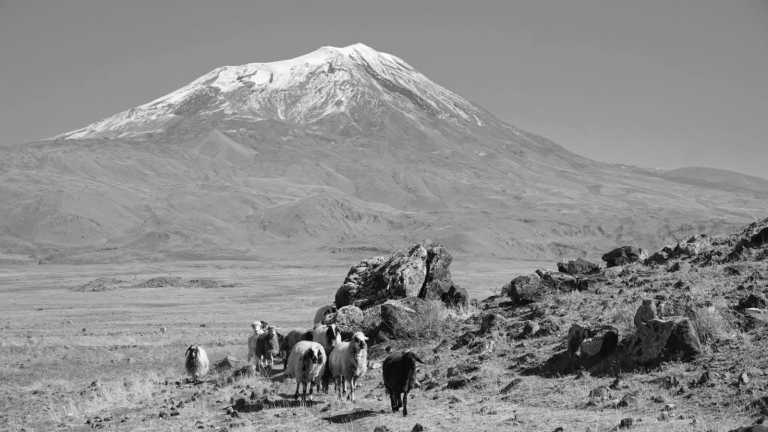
[[335, 150], [327, 82]]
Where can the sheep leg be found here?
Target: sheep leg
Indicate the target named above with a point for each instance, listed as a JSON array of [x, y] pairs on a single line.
[[393, 401], [338, 382], [270, 362], [304, 392], [352, 382], [296, 395], [405, 404]]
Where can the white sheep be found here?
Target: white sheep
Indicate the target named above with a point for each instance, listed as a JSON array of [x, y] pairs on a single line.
[[327, 335], [196, 362], [306, 364], [348, 363]]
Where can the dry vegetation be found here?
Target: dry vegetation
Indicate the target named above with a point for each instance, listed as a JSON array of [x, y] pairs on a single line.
[[112, 360]]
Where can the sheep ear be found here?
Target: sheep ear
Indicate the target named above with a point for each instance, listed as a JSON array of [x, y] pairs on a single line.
[[189, 349]]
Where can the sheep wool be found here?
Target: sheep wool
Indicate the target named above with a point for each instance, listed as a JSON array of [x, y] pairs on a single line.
[[349, 362], [306, 364]]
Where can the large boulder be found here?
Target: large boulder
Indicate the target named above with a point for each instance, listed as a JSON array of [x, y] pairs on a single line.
[[419, 271], [579, 266], [624, 255], [660, 340]]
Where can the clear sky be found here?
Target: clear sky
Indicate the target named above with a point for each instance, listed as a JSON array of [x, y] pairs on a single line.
[[656, 83]]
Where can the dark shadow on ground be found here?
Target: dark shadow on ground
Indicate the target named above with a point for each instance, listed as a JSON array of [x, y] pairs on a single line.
[[241, 405], [350, 416]]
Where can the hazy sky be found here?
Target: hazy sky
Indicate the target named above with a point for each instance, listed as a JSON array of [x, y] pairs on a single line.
[[656, 83]]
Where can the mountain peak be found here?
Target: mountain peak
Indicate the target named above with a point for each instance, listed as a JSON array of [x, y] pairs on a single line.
[[356, 81]]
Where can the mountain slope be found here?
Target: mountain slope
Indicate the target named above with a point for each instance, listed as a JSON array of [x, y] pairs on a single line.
[[340, 148]]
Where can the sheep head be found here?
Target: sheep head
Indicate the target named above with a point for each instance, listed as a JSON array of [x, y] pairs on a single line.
[[333, 334], [359, 340]]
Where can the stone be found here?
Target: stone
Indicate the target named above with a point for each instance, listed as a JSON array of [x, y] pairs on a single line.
[[399, 318], [579, 266], [562, 282], [525, 289], [623, 255], [418, 428], [659, 340], [753, 428], [752, 300], [418, 271], [349, 319], [586, 342], [646, 312]]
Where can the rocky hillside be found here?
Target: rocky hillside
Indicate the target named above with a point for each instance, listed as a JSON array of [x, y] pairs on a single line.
[[670, 339], [336, 150]]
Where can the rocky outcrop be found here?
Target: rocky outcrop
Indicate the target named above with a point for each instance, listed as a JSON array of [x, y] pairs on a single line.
[[534, 287], [579, 266], [624, 255], [419, 271], [599, 350]]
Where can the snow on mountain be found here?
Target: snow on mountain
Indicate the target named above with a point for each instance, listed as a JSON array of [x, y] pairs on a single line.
[[301, 90]]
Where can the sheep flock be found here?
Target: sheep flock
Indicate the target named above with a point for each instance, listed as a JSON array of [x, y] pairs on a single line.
[[315, 358]]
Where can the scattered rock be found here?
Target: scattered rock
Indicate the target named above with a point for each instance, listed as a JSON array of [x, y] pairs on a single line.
[[623, 255], [418, 428], [753, 300], [626, 423], [646, 312], [579, 266]]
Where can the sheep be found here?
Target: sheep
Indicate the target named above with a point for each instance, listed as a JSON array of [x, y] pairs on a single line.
[[323, 312], [196, 362], [348, 362], [306, 363], [265, 348], [399, 370], [259, 328], [327, 335], [290, 340]]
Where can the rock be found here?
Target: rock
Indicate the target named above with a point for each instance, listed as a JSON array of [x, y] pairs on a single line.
[[753, 300], [530, 328], [349, 319], [418, 428], [586, 342], [525, 289], [457, 383], [562, 282], [381, 429], [743, 379], [646, 312], [623, 255], [626, 423], [753, 428], [679, 266], [437, 281], [628, 400], [579, 266], [401, 318], [416, 272], [226, 363], [507, 388], [659, 340], [492, 322], [600, 393]]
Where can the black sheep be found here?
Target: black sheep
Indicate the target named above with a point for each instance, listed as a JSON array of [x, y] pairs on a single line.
[[399, 370]]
